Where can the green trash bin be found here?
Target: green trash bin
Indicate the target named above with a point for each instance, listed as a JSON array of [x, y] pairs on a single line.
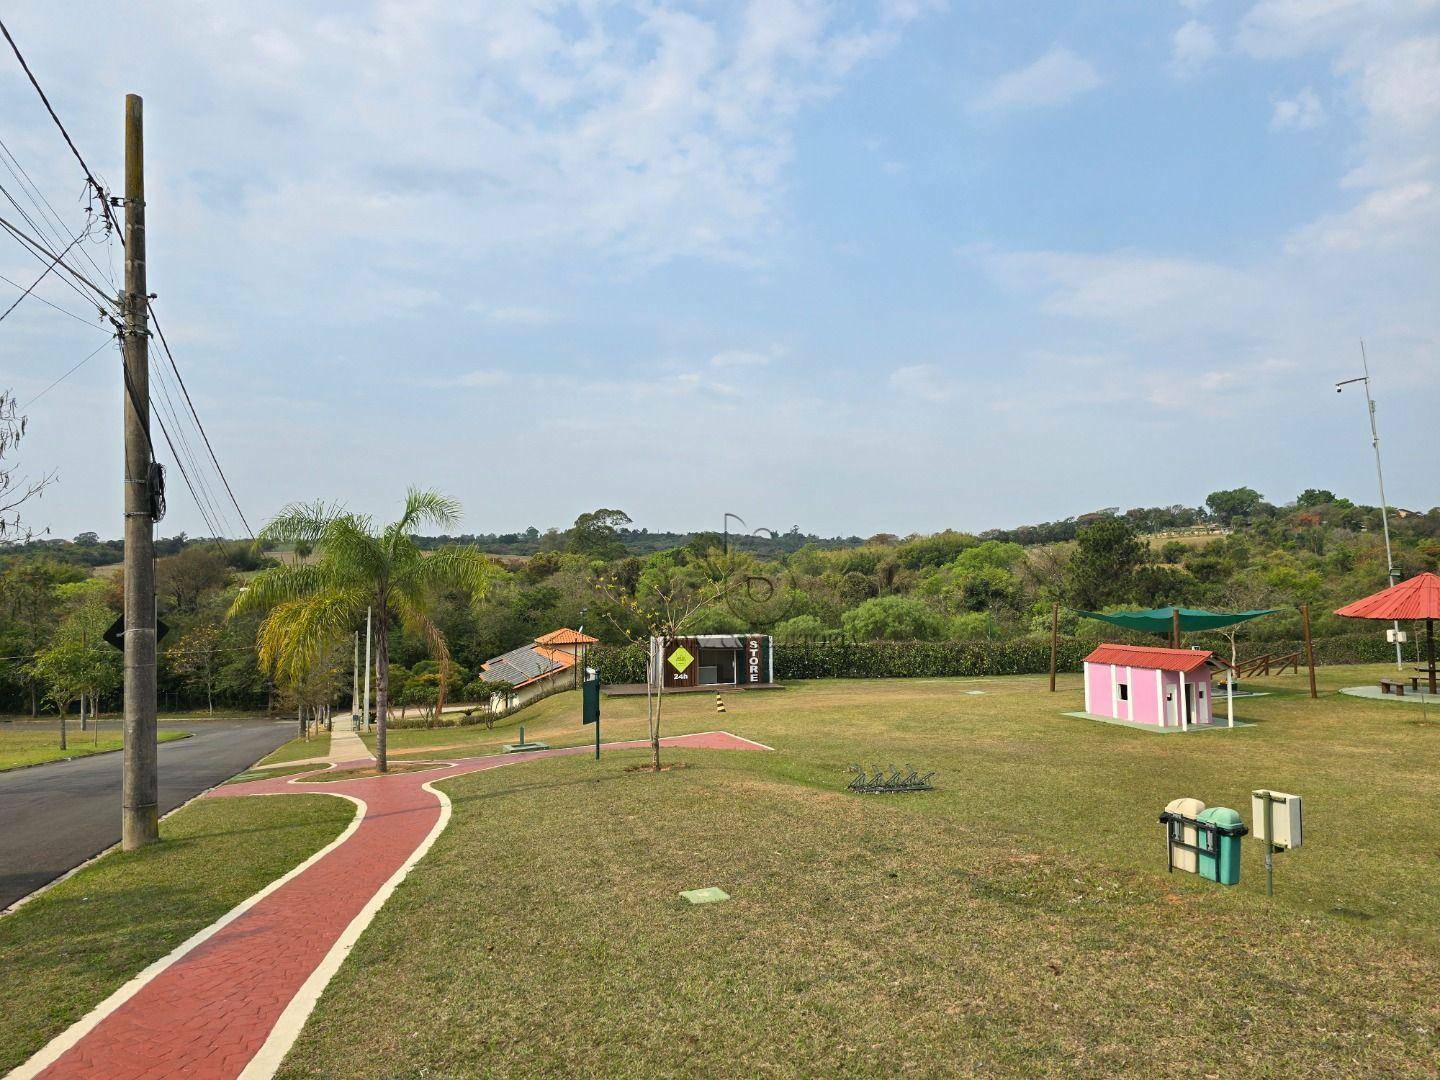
[[1219, 842]]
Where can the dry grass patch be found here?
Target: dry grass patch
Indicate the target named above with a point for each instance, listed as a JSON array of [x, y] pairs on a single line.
[[860, 937]]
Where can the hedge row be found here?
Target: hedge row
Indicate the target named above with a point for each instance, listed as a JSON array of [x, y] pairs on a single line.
[[938, 659]]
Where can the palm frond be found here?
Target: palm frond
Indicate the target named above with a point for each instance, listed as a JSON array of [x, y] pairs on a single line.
[[300, 523], [451, 567], [353, 551], [415, 619], [276, 585], [299, 631], [427, 506]]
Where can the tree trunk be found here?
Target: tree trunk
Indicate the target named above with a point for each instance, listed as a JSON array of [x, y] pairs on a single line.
[[83, 728], [300, 716], [382, 685], [655, 728], [63, 709]]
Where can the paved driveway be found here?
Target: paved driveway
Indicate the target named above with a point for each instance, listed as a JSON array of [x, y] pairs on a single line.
[[54, 817]]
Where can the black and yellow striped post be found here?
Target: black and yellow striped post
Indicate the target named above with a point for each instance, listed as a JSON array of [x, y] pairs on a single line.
[[719, 703]]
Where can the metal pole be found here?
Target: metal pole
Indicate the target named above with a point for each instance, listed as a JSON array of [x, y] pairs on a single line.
[[140, 785], [366, 714], [355, 683], [1269, 844], [1384, 505], [1054, 642]]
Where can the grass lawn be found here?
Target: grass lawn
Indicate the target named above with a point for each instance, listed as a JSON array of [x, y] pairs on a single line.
[[67, 950], [298, 749], [33, 742], [1017, 920]]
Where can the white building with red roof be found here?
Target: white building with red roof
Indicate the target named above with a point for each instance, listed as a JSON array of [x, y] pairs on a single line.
[[551, 662]]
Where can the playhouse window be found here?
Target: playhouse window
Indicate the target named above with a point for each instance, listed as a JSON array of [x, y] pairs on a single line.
[[1202, 693], [1124, 691]]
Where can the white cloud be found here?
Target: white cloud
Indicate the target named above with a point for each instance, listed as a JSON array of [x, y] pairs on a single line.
[[1274, 28], [640, 131], [1058, 77], [728, 358], [516, 315], [1194, 46], [923, 382], [1400, 86], [1385, 219], [483, 377], [1302, 112]]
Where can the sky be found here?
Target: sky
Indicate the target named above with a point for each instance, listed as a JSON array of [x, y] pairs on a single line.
[[898, 265]]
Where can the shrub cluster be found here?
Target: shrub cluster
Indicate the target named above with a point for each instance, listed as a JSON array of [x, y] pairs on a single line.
[[940, 659]]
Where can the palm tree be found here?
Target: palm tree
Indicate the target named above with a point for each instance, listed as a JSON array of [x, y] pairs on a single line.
[[313, 604]]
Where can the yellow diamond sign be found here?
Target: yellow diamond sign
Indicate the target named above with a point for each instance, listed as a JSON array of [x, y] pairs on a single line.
[[681, 659]]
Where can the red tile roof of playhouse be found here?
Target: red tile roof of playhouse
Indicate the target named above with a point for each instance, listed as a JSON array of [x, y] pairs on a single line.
[[1418, 598], [1143, 656], [566, 636]]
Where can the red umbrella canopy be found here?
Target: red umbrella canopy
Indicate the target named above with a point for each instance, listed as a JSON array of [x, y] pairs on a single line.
[[1418, 598]]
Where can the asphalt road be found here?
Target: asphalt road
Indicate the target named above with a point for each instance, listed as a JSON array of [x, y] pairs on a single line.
[[54, 817]]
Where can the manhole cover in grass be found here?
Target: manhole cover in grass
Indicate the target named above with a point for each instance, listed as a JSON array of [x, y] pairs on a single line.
[[712, 895]]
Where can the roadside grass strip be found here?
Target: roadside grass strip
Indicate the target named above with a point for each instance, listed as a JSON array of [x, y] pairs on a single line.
[[69, 948], [20, 747]]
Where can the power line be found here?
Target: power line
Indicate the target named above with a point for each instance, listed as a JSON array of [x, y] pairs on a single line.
[[68, 141], [43, 275], [119, 233], [62, 378], [41, 252], [63, 311], [47, 211], [186, 390]]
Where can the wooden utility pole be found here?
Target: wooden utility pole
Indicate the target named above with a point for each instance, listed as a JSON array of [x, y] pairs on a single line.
[[140, 796], [1309, 647], [1054, 641], [1175, 628]]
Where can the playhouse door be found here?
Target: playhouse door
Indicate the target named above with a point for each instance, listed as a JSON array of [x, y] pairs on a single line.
[[1190, 703], [1172, 718]]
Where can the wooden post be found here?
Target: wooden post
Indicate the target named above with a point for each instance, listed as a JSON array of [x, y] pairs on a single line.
[[1054, 642], [140, 783], [1175, 628], [1309, 647]]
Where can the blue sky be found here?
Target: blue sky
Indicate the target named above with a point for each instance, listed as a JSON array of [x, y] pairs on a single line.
[[899, 265]]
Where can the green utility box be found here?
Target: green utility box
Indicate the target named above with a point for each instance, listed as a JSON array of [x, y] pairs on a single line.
[[1218, 840]]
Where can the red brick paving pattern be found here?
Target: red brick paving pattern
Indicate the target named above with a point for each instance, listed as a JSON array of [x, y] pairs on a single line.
[[207, 1014]]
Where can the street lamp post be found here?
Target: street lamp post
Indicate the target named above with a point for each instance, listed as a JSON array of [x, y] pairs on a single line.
[[1380, 476]]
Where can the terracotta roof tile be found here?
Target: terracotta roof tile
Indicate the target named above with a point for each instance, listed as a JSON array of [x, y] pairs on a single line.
[[1418, 598], [1144, 656]]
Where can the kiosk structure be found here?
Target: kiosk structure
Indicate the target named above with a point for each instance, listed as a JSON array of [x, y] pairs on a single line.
[[1163, 688]]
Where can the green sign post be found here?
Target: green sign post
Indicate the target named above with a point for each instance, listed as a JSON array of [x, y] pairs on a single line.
[[590, 704]]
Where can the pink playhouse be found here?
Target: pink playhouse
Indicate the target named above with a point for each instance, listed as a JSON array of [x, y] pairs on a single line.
[[1142, 685]]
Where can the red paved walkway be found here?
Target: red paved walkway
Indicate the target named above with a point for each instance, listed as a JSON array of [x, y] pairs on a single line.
[[210, 1012]]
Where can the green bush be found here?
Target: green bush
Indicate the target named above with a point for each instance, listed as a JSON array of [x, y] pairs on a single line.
[[940, 659], [894, 618]]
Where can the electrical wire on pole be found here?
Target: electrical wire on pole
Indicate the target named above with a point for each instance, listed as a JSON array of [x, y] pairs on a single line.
[[99, 193]]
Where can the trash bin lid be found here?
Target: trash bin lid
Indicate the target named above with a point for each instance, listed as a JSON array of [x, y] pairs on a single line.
[[1188, 807], [1224, 819]]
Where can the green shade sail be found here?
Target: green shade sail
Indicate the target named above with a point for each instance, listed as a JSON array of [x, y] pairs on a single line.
[[1162, 620]]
